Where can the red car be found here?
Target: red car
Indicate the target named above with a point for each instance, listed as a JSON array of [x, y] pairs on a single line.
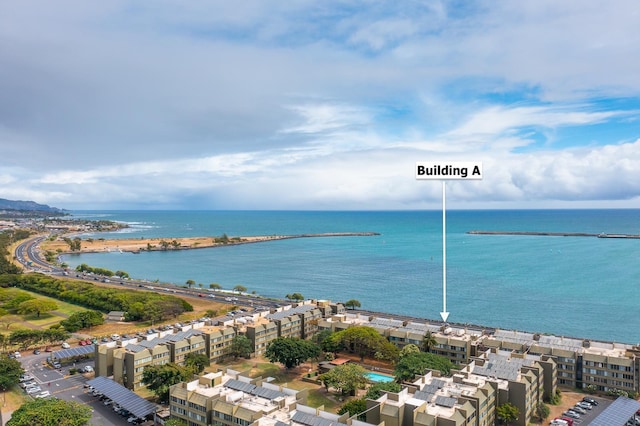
[[82, 343]]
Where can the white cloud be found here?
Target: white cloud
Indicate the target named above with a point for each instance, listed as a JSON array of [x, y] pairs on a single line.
[[303, 105]]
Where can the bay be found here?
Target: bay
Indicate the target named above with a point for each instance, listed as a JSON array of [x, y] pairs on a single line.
[[582, 287]]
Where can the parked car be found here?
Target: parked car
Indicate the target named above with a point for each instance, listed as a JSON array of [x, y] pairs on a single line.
[[26, 378], [579, 409], [569, 420], [88, 369], [44, 394], [590, 400], [33, 389], [584, 405], [65, 345], [572, 414], [17, 354], [36, 351]]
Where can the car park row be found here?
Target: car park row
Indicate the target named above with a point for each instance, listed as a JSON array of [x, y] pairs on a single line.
[[116, 408]]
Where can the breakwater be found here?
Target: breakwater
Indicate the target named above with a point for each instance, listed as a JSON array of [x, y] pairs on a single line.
[[555, 234]]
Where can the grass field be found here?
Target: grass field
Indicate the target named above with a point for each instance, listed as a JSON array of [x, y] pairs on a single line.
[[46, 320]]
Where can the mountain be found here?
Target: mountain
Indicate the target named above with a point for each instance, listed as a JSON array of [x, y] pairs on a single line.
[[27, 205]]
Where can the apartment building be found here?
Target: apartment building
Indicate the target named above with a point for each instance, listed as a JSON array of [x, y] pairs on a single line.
[[580, 362], [220, 340], [260, 333], [129, 362], [469, 397], [226, 398]]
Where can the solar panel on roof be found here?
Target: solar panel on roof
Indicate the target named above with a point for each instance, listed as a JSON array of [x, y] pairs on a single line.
[[439, 383], [77, 351], [431, 388], [445, 401], [122, 396], [618, 413], [424, 396], [238, 385], [267, 393]]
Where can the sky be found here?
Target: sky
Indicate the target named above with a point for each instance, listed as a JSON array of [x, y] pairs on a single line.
[[319, 105]]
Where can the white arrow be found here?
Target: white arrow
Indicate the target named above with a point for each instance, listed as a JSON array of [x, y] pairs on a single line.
[[444, 314]]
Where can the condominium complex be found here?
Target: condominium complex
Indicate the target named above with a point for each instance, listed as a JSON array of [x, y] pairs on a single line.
[[125, 359], [602, 366], [227, 398], [580, 363], [471, 395]]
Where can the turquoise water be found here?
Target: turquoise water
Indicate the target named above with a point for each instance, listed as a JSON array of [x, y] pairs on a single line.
[[571, 286], [379, 378]]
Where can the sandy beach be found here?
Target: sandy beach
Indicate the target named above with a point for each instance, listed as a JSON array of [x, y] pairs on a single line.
[[151, 244], [157, 244]]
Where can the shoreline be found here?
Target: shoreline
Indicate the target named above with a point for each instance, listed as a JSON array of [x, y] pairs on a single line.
[[139, 245]]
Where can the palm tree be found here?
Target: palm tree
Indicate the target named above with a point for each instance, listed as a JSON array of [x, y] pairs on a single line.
[[428, 341]]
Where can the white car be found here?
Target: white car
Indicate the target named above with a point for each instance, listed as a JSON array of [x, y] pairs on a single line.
[[32, 390], [65, 345], [88, 369], [44, 394], [17, 354]]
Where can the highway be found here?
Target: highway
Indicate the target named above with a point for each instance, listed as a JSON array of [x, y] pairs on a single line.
[[28, 254]]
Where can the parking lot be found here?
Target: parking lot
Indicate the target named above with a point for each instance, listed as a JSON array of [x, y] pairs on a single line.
[[60, 384], [585, 418]]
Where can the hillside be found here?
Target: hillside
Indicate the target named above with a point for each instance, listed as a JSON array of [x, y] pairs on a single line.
[[27, 206]]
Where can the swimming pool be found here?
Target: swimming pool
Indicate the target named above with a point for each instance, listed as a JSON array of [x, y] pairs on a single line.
[[378, 378]]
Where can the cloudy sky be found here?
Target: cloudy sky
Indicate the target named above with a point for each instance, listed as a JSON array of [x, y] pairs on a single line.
[[273, 104]]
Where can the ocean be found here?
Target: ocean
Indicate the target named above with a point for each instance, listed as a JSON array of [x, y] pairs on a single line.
[[583, 287]]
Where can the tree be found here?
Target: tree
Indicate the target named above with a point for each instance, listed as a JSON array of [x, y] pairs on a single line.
[[507, 413], [10, 371], [190, 283], [215, 286], [416, 363], [352, 304], [122, 274], [51, 412], [542, 411], [295, 297], [345, 378], [159, 378], [291, 351], [375, 390], [82, 319], [15, 298], [354, 407], [365, 341], [197, 362], [36, 306], [241, 347], [410, 348], [428, 341], [240, 288]]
